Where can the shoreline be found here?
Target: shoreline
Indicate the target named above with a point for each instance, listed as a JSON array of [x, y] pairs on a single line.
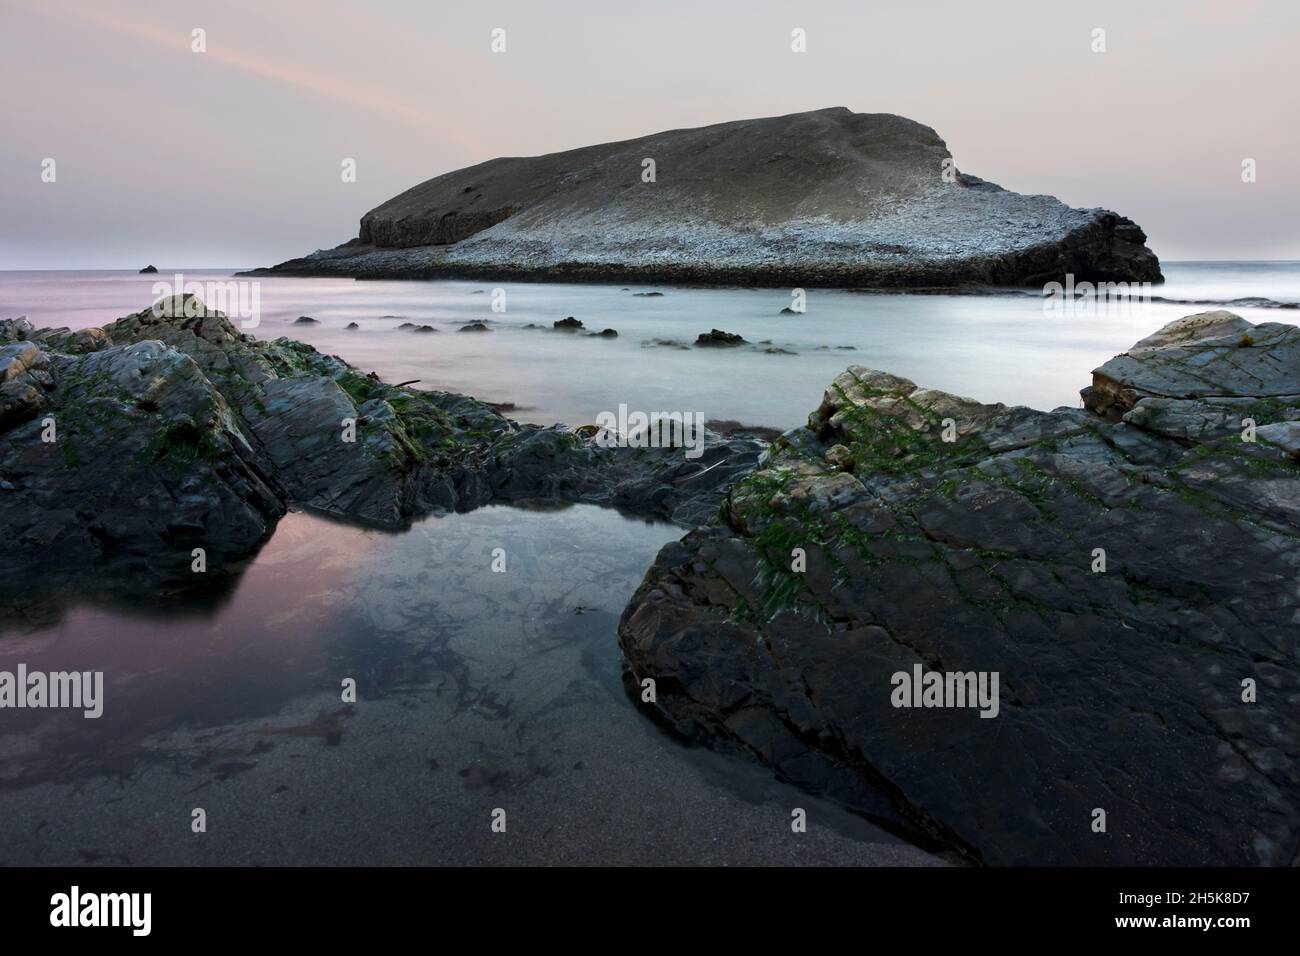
[[263, 444]]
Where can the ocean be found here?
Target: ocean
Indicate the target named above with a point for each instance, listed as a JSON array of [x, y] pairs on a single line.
[[479, 691], [1006, 348]]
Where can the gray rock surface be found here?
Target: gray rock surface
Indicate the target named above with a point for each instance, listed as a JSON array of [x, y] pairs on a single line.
[[828, 197], [1121, 685], [130, 458]]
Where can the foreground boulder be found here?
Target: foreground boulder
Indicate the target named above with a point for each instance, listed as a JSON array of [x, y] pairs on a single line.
[[1127, 571], [125, 449], [829, 197], [125, 455]]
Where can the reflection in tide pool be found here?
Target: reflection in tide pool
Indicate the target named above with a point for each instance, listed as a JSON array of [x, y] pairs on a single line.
[[476, 691]]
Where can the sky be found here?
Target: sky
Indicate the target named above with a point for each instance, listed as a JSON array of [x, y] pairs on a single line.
[[233, 157]]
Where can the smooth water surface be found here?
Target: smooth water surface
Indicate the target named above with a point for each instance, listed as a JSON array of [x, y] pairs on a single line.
[[994, 348]]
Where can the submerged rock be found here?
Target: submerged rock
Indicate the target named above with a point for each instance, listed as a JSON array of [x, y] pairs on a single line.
[[305, 320], [567, 325], [1127, 571], [351, 326], [829, 197], [148, 270], [718, 339], [474, 327]]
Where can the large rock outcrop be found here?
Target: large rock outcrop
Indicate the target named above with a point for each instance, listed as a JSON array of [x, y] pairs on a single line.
[[1129, 570], [829, 197], [125, 448]]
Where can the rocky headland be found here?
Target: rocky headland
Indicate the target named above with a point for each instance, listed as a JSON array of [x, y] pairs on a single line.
[[1129, 569], [827, 198]]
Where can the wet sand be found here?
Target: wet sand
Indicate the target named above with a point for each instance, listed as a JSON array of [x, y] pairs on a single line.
[[476, 691]]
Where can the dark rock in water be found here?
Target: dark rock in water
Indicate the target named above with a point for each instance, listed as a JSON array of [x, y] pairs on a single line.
[[567, 325], [175, 431], [474, 327], [718, 338], [148, 270], [407, 325], [774, 350], [305, 320], [1128, 571], [828, 198], [647, 295], [352, 325], [603, 334], [424, 329]]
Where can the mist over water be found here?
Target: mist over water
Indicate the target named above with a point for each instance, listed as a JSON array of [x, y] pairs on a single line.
[[993, 348]]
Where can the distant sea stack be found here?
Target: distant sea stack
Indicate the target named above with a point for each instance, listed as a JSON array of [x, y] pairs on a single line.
[[829, 197]]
